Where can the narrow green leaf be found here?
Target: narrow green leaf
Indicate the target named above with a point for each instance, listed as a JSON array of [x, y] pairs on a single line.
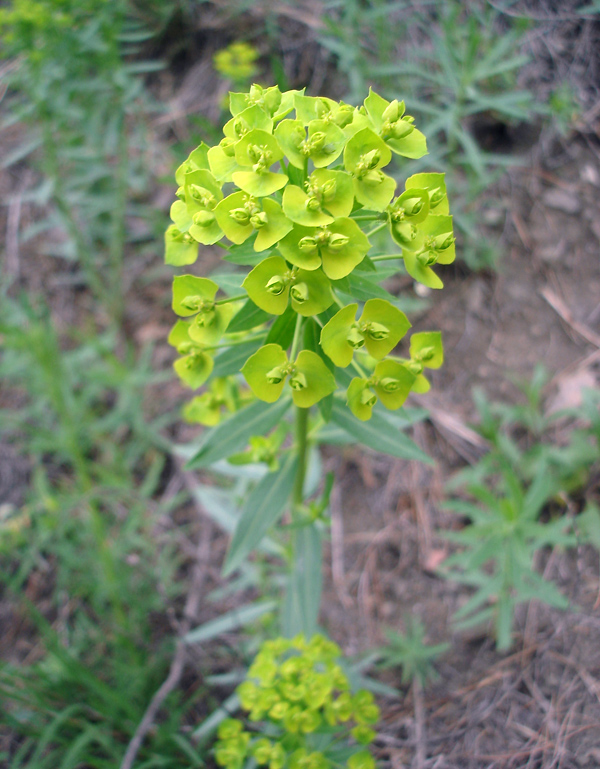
[[282, 330], [231, 361], [262, 509], [243, 254], [300, 609], [247, 318], [231, 620], [233, 434], [210, 724], [378, 434]]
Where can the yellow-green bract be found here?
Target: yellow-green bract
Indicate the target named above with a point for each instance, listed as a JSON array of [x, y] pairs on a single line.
[[294, 190]]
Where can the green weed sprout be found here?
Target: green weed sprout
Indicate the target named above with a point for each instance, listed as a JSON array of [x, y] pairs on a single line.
[[500, 543], [304, 715], [410, 652]]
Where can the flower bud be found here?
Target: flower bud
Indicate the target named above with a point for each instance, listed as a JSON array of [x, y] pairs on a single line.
[[435, 196], [373, 178], [444, 241], [368, 398], [228, 146], [322, 108], [240, 127], [298, 382], [337, 242], [197, 192], [299, 292], [354, 338], [272, 99], [328, 190], [392, 112], [404, 232], [370, 159], [401, 128], [426, 353], [313, 204], [255, 93], [412, 206], [240, 215], [298, 136], [192, 303], [276, 285], [377, 331], [187, 238], [389, 385], [276, 375], [205, 317], [180, 193], [415, 367], [344, 115], [203, 218], [185, 348], [259, 220], [317, 140], [308, 245], [426, 258]]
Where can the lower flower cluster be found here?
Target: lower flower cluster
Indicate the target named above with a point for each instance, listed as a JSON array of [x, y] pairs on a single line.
[[304, 714]]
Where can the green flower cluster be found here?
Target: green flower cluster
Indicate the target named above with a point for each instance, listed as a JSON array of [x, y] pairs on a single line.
[[294, 177], [237, 61], [301, 698]]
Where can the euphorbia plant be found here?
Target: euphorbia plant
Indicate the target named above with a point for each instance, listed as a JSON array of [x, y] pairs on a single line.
[[296, 191]]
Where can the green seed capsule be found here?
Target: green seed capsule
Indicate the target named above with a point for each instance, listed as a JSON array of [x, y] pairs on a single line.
[[276, 285], [426, 353], [192, 303], [308, 245], [299, 292], [259, 220], [203, 218], [392, 111], [377, 331], [276, 375], [228, 146], [389, 384], [370, 159], [373, 178], [240, 215], [354, 338], [337, 242], [368, 398], [401, 128], [298, 382], [427, 258]]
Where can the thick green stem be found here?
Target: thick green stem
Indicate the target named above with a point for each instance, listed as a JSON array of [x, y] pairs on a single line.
[[231, 299], [376, 229], [296, 340]]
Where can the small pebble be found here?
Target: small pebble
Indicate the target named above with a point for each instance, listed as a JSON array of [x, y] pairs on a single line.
[[562, 200]]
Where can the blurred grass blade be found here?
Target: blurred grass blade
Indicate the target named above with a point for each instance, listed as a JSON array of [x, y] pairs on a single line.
[[231, 620]]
